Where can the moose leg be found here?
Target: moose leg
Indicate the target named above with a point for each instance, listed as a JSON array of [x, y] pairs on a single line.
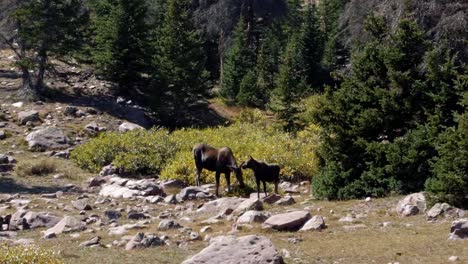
[[264, 188], [276, 187], [228, 180], [218, 174], [197, 175], [258, 189]]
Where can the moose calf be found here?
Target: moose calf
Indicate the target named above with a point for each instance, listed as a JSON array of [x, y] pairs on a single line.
[[263, 172]]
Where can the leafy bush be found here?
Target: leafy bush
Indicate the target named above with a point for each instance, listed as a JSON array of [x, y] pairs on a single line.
[[26, 255], [138, 151], [296, 155], [36, 168]]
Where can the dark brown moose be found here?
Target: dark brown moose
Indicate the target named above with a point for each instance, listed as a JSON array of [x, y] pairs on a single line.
[[263, 172], [218, 160]]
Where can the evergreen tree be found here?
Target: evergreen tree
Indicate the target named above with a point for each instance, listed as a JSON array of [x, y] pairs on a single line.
[[239, 60], [121, 40], [312, 44], [374, 142], [45, 28], [180, 59], [290, 85], [334, 54]]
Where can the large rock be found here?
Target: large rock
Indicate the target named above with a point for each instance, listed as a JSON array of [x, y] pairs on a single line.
[[194, 192], [315, 223], [142, 240], [287, 221], [82, 204], [173, 184], [250, 217], [126, 126], [48, 138], [123, 229], [459, 229], [28, 116], [68, 224], [412, 204], [231, 250], [247, 205], [123, 188], [437, 210], [220, 204], [23, 219]]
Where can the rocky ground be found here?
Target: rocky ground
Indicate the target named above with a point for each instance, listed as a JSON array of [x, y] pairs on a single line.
[[106, 218]]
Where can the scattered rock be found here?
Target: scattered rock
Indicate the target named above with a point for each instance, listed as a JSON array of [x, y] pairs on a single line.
[[141, 240], [17, 104], [194, 236], [249, 204], [121, 230], [287, 221], [250, 217], [95, 241], [194, 192], [173, 184], [93, 128], [437, 210], [459, 229], [67, 225], [47, 138], [206, 229], [112, 214], [28, 116], [2, 135], [70, 110], [133, 215], [108, 170], [288, 200], [454, 258], [271, 199], [124, 188], [168, 224], [82, 204], [315, 223], [171, 199], [126, 126], [220, 205], [231, 250], [412, 204]]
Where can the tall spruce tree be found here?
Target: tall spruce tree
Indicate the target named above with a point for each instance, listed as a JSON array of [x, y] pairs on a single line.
[[334, 53], [121, 40], [239, 60], [290, 85], [179, 62], [373, 144], [45, 28], [313, 44]]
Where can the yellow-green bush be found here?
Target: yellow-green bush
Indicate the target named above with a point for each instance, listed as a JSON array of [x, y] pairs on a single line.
[[39, 167], [134, 151], [296, 155], [26, 255], [171, 154]]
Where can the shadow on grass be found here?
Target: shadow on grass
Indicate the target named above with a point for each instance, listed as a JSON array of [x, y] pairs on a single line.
[[9, 185]]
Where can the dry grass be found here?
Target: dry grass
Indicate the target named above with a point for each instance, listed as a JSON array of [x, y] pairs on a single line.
[[39, 167]]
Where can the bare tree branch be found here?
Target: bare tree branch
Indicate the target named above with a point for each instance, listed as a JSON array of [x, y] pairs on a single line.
[[11, 45]]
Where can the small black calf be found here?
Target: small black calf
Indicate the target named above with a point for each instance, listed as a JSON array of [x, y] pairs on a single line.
[[263, 172]]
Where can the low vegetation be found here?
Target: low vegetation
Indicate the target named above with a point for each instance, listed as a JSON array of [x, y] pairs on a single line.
[[38, 167], [27, 255], [171, 155]]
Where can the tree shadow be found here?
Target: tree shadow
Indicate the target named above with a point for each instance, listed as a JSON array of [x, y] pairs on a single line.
[[10, 186]]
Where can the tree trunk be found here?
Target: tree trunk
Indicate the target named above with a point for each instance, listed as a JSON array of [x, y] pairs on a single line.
[[42, 61]]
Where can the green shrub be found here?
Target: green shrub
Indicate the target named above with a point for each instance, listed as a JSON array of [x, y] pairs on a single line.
[[296, 155], [26, 255], [138, 151]]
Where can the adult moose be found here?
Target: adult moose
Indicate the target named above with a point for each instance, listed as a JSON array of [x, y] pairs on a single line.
[[263, 172], [218, 160]]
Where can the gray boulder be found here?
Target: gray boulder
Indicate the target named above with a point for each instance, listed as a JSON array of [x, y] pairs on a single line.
[[68, 224], [193, 193], [315, 223], [28, 116], [141, 240], [2, 135], [23, 219], [82, 205], [459, 229], [48, 138], [93, 242], [231, 250], [126, 126], [250, 217], [412, 204], [168, 224], [437, 210], [173, 184], [288, 200], [287, 221], [220, 204], [247, 205]]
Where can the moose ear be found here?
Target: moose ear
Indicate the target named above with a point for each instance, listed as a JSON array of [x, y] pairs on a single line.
[[250, 157]]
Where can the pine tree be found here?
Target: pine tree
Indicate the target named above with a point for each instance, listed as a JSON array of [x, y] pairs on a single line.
[[45, 28], [121, 40], [312, 44], [239, 60], [334, 54], [290, 85], [179, 62]]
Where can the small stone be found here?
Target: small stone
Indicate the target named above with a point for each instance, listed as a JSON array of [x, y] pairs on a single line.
[[454, 258], [368, 199]]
